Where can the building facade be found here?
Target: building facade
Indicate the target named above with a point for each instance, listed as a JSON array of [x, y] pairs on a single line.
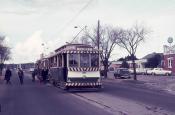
[[169, 58], [139, 64]]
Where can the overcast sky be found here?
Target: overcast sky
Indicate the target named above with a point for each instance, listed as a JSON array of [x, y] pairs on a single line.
[[29, 23]]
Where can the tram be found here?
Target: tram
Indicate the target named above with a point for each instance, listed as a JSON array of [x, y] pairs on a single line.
[[74, 66]]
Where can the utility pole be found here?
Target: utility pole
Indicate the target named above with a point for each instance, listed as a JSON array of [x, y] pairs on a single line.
[[98, 34], [98, 40]]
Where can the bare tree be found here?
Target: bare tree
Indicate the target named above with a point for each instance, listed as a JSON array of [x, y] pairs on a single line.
[[4, 53], [106, 38], [130, 41]]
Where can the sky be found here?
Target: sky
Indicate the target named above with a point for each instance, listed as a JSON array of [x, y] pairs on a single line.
[[27, 24]]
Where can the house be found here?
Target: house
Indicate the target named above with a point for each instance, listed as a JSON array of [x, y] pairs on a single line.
[[154, 60], [115, 64], [139, 63], [169, 58], [151, 60]]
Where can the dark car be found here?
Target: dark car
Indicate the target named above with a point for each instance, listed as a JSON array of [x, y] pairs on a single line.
[[122, 73]]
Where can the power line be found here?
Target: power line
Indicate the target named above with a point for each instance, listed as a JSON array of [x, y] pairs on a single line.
[[73, 18]]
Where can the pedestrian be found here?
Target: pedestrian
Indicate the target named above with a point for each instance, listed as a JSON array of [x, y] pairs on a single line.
[[34, 73], [8, 75], [39, 76], [20, 75], [44, 74]]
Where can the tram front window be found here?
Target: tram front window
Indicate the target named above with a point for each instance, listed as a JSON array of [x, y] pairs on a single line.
[[94, 60], [73, 60], [84, 60]]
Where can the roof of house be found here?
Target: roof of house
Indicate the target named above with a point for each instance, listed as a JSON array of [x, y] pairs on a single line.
[[148, 56]]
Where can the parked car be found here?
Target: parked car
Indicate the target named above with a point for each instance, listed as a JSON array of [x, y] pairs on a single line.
[[122, 73], [139, 71], [31, 69], [159, 71]]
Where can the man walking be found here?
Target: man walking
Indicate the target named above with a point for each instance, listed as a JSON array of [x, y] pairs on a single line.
[[8, 75], [20, 75], [44, 74], [34, 73]]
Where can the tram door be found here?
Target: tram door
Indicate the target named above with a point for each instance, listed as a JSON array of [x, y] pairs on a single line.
[[65, 60], [65, 66]]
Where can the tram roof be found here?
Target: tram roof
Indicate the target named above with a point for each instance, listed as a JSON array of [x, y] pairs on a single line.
[[72, 46]]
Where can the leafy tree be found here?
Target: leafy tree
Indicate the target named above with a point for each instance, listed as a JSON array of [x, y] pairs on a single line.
[[121, 59], [154, 61], [129, 58], [124, 64]]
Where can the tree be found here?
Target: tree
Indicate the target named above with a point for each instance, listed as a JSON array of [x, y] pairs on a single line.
[[130, 40], [154, 61], [4, 53], [124, 61], [128, 58], [124, 64], [105, 38], [121, 59]]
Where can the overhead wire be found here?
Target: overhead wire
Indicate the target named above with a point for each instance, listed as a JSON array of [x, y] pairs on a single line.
[[73, 18]]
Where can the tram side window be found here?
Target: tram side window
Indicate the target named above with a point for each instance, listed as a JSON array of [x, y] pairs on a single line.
[[59, 60], [84, 60], [52, 61], [73, 60], [94, 60]]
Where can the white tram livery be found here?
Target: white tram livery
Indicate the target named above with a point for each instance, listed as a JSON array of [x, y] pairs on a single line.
[[74, 65]]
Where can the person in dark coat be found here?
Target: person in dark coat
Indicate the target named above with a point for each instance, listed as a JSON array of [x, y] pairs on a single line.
[[34, 73], [8, 75], [38, 75], [44, 75], [20, 75]]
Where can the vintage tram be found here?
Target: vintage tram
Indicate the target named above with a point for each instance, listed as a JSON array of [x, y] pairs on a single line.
[[74, 65]]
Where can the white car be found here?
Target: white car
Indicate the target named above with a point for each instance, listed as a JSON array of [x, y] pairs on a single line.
[[139, 71], [31, 69], [159, 71]]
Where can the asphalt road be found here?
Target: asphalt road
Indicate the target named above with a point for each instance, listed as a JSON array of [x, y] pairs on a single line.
[[39, 99], [136, 91]]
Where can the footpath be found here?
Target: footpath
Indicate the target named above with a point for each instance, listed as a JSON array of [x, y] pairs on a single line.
[[122, 106], [164, 83]]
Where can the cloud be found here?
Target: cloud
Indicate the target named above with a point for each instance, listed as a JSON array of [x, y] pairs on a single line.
[[29, 49], [27, 7], [7, 40]]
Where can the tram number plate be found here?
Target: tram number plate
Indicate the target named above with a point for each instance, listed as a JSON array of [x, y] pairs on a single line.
[[84, 76], [84, 72]]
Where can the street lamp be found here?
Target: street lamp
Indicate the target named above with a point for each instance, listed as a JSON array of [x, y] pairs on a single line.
[[82, 29]]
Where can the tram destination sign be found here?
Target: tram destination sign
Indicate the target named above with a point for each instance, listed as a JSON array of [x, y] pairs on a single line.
[[84, 48]]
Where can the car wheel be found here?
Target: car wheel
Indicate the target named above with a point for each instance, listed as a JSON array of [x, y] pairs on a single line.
[[167, 74]]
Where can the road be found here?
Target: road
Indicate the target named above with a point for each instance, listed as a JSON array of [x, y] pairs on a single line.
[[36, 98], [137, 92], [39, 99]]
